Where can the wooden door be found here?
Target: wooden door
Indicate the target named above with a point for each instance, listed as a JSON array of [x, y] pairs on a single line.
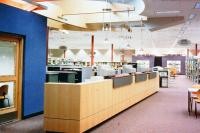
[[10, 75]]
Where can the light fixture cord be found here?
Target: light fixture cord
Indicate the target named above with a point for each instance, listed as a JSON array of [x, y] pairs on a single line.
[[141, 37]]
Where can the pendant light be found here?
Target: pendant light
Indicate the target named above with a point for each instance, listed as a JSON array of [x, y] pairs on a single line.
[[129, 31], [106, 26], [141, 50]]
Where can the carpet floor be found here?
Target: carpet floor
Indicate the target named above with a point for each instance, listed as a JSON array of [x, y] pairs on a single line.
[[163, 112]]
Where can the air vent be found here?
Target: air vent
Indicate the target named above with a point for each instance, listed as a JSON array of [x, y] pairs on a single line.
[[184, 42]]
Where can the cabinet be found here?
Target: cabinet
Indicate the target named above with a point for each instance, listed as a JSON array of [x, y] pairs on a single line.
[[163, 78]]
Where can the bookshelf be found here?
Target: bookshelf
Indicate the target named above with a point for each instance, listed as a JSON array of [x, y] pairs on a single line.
[[193, 69]]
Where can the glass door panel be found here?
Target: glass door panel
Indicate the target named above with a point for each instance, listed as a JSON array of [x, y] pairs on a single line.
[[7, 58]]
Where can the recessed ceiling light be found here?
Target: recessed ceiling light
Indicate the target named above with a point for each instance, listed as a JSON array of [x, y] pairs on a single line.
[[167, 12]]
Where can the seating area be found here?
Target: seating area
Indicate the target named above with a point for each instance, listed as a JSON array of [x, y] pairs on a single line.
[[193, 98]]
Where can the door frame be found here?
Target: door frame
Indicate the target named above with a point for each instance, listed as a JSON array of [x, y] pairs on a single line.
[[19, 70]]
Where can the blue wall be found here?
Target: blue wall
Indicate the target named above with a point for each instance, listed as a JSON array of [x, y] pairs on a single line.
[[33, 28]]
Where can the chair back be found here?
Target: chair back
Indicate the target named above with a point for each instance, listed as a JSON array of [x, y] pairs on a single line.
[[3, 90], [196, 86], [173, 71], [198, 94]]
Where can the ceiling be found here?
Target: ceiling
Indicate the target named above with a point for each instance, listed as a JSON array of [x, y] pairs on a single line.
[[164, 22], [167, 21]]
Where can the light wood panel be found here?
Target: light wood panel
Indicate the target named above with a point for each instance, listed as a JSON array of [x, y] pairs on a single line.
[[85, 105], [95, 97], [62, 125], [62, 101], [20, 71], [7, 110], [8, 78]]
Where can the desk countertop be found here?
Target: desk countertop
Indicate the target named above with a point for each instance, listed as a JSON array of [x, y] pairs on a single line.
[[57, 72], [193, 89]]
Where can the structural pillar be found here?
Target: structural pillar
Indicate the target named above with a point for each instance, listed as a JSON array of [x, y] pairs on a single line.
[[64, 53], [188, 52], [112, 53], [122, 56], [196, 50], [92, 50]]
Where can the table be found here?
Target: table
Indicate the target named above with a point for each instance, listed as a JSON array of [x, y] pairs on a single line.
[[190, 90]]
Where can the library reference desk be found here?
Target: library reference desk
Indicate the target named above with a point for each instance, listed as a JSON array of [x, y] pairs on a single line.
[[77, 107]]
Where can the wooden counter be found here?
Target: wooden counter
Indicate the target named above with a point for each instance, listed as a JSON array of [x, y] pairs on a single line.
[[75, 108]]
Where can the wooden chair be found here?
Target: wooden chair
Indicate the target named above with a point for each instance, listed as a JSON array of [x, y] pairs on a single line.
[[173, 72], [3, 93], [194, 95], [197, 100]]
